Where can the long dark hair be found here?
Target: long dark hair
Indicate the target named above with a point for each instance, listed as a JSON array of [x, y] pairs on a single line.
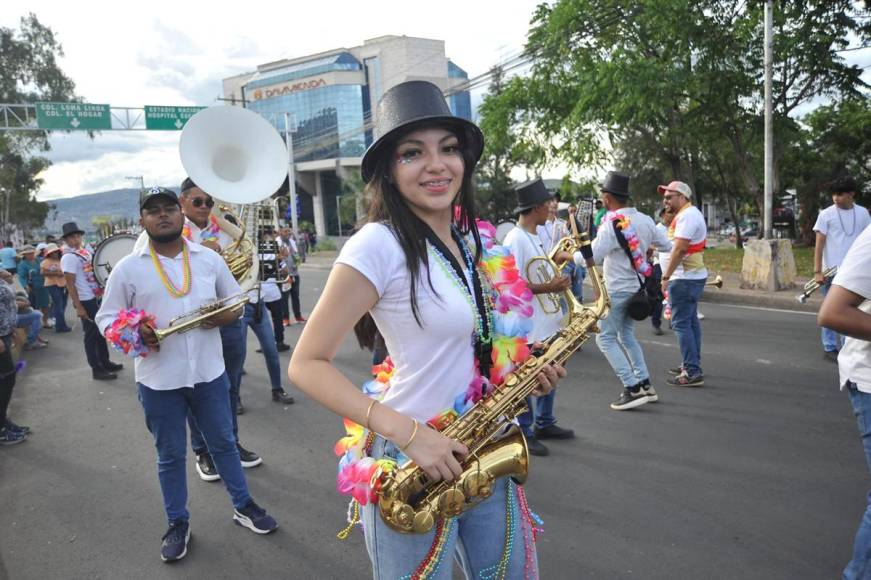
[[387, 206]]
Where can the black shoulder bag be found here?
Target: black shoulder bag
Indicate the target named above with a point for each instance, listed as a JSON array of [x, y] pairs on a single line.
[[639, 307]]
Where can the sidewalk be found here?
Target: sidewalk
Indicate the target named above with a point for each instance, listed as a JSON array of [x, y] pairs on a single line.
[[731, 293]]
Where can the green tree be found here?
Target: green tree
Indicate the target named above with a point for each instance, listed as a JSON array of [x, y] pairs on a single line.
[[29, 72]]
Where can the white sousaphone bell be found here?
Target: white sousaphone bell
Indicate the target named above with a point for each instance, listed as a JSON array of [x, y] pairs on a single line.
[[237, 157]]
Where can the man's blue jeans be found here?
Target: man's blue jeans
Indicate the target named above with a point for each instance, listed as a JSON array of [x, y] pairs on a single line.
[[860, 566], [832, 341], [165, 414], [58, 307], [683, 295], [540, 412], [266, 337], [32, 321], [234, 347], [616, 340]]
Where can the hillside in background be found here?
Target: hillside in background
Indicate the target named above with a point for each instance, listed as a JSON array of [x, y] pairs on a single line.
[[118, 203]]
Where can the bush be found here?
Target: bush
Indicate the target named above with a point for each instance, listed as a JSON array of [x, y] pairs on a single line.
[[326, 245]]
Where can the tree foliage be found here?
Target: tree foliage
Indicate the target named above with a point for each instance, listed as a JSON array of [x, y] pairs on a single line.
[[29, 72], [675, 87]]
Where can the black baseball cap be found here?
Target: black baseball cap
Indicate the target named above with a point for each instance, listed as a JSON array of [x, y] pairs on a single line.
[[148, 194]]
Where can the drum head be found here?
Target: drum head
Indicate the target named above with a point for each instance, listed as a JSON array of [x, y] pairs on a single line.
[[109, 252]]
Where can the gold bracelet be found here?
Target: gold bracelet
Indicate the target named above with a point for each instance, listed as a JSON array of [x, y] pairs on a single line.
[[410, 439], [369, 412]]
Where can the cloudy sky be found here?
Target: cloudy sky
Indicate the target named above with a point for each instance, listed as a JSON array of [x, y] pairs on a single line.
[[176, 53]]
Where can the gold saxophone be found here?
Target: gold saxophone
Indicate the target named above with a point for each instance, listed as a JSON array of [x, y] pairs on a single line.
[[409, 502]]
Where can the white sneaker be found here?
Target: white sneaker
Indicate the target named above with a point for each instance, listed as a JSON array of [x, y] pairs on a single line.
[[700, 315]]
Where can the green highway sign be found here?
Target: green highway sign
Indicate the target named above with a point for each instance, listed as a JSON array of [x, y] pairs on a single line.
[[168, 118], [72, 116]]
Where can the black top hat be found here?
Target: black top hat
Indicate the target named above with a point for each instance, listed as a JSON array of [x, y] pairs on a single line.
[[147, 195], [412, 103], [616, 184], [71, 228], [531, 194]]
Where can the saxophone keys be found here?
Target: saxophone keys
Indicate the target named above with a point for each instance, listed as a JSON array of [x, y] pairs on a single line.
[[423, 522], [403, 515], [451, 502], [478, 484]]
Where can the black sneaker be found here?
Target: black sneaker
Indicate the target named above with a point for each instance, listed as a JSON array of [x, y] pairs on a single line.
[[554, 432], [255, 518], [282, 347], [536, 447], [114, 367], [831, 356], [17, 428], [676, 370], [684, 380], [248, 458], [102, 375], [281, 396], [175, 541], [658, 331], [240, 408], [9, 437], [648, 390], [629, 399], [206, 468]]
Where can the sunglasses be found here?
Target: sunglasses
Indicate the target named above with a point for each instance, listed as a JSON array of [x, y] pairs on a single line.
[[203, 201]]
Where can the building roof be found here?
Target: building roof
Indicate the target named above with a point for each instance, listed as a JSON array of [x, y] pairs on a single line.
[[306, 68]]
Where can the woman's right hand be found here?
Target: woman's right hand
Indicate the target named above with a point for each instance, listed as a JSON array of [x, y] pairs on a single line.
[[437, 455]]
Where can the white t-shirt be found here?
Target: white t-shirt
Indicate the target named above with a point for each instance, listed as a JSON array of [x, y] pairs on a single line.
[[551, 232], [524, 247], [434, 362], [854, 274], [690, 225], [76, 264], [841, 228], [660, 257]]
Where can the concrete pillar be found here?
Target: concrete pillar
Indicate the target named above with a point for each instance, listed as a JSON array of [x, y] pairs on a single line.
[[768, 265], [318, 207]]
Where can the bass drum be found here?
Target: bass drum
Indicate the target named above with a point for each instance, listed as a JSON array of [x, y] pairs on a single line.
[[502, 230], [108, 253]]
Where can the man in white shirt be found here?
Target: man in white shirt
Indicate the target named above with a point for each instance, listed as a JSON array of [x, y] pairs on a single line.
[[847, 309], [85, 294], [660, 260], [168, 278], [616, 338], [837, 227], [533, 200], [684, 279]]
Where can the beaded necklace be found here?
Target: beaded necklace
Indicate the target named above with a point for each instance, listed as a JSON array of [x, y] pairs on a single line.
[[186, 262]]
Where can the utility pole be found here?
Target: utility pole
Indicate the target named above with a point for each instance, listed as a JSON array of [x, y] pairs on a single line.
[[769, 121], [291, 174], [139, 178]]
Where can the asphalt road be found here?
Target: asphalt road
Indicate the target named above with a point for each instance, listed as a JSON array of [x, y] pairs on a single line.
[[760, 474]]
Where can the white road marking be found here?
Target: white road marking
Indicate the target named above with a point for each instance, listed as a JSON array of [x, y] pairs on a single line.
[[763, 361], [766, 309]]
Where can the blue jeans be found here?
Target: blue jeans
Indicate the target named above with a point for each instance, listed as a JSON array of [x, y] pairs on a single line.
[[234, 347], [32, 321], [860, 566], [266, 337], [683, 295], [616, 340], [578, 273], [475, 539], [832, 341], [165, 413], [539, 411], [58, 307]]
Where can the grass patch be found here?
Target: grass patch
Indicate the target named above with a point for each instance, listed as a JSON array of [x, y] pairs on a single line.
[[730, 260], [326, 245]]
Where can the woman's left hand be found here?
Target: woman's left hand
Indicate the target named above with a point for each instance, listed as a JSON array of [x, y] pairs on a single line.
[[547, 379]]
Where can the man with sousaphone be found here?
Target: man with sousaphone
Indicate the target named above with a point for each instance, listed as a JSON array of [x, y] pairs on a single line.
[[167, 278]]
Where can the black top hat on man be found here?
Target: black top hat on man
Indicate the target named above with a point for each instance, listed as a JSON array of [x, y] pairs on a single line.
[[70, 228], [531, 194], [146, 195], [410, 104], [616, 184]]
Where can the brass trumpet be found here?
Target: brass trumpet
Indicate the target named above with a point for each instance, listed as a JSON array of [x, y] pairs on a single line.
[[718, 282], [190, 320], [812, 285]]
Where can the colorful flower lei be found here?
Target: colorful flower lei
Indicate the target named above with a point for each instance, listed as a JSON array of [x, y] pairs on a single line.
[[209, 234], [642, 266], [124, 335], [359, 475]]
